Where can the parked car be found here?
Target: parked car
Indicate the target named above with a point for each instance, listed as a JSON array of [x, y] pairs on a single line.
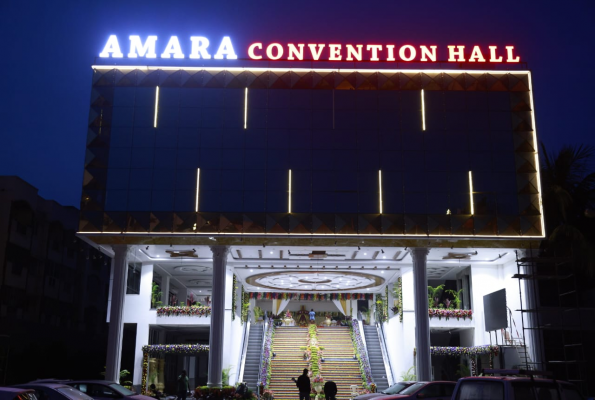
[[437, 390], [394, 389], [54, 391], [106, 390], [510, 387], [13, 393]]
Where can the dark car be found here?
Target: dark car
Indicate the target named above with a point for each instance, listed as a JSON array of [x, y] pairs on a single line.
[[438, 390], [106, 390], [394, 389], [13, 393], [54, 391]]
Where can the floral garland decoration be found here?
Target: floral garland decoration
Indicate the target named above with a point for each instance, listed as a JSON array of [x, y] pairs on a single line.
[[175, 348], [184, 311], [464, 351], [381, 307], [245, 305], [398, 299], [310, 296], [143, 380], [265, 369], [315, 353], [385, 304], [233, 297], [360, 352], [450, 313]]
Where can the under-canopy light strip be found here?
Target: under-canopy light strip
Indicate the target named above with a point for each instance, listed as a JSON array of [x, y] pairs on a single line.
[[156, 106], [423, 111], [289, 194], [197, 188], [471, 193], [380, 190], [246, 109], [535, 145]]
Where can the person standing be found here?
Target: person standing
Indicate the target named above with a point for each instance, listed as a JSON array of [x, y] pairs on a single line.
[[303, 384], [182, 385], [312, 316], [330, 390]]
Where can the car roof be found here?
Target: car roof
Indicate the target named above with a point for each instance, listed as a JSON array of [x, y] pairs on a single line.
[[14, 389], [509, 378], [92, 381], [53, 385]]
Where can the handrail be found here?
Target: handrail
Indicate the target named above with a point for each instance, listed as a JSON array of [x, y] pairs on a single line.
[[363, 335], [385, 357], [364, 359], [242, 363], [264, 330]]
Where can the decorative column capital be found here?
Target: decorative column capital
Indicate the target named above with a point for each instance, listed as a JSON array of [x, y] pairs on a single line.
[[419, 253], [120, 249], [220, 251]]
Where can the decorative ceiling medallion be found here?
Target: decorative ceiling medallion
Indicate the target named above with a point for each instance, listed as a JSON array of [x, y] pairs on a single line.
[[200, 282], [195, 269], [297, 281]]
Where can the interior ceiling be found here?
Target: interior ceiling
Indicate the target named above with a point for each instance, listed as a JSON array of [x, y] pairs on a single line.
[[191, 266]]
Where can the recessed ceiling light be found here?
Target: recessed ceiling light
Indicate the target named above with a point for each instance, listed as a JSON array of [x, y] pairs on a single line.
[[368, 289], [382, 272], [251, 270], [157, 256], [271, 252], [365, 254], [383, 256], [200, 291]]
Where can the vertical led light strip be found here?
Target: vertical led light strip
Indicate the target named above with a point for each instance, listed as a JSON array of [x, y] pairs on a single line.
[[471, 193], [246, 109], [423, 111], [289, 194], [380, 190], [156, 106], [197, 188], [535, 145]]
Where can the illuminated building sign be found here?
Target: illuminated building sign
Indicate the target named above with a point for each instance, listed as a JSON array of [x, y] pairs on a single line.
[[198, 47]]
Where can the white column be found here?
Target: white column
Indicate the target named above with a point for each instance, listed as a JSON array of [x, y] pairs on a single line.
[[217, 315], [116, 324], [422, 322], [137, 308], [165, 291]]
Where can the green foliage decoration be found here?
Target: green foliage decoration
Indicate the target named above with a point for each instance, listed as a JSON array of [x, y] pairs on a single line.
[[156, 296]]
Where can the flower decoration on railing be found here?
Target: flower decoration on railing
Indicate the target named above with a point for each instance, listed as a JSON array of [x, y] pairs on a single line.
[[450, 313], [184, 311], [464, 351], [175, 348], [265, 368], [234, 295], [398, 299], [360, 352]]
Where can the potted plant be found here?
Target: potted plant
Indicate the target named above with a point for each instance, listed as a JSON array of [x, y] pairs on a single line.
[[258, 313], [367, 316]]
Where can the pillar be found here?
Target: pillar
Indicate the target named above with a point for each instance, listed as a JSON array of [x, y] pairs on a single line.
[[422, 322], [116, 323], [217, 315], [165, 291]]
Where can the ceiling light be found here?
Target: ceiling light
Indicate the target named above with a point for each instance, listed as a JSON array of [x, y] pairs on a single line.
[[271, 252], [382, 251], [194, 250], [359, 248], [147, 248], [382, 272], [251, 270], [383, 256], [157, 256], [365, 254], [200, 291]]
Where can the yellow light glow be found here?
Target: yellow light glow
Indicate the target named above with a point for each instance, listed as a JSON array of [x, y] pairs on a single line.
[[289, 194], [347, 70], [423, 112], [471, 193], [535, 145], [197, 188], [380, 190], [246, 109], [156, 106]]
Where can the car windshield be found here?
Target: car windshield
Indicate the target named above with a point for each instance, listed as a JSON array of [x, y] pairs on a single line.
[[121, 389], [73, 393], [396, 388], [412, 388]]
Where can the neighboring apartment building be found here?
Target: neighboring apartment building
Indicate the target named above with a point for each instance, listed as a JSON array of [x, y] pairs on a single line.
[[53, 290]]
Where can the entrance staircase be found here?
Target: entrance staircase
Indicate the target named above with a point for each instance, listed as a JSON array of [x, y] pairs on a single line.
[[253, 355], [288, 361], [375, 356], [339, 365]]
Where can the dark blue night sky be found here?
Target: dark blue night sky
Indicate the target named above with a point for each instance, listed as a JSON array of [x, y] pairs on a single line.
[[48, 49]]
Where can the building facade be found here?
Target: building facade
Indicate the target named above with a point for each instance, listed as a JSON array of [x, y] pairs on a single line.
[[53, 289], [213, 184]]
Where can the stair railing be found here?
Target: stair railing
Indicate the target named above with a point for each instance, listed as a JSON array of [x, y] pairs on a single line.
[[242, 361], [264, 331], [385, 357]]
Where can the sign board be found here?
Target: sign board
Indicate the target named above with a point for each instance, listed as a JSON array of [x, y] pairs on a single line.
[[494, 310]]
